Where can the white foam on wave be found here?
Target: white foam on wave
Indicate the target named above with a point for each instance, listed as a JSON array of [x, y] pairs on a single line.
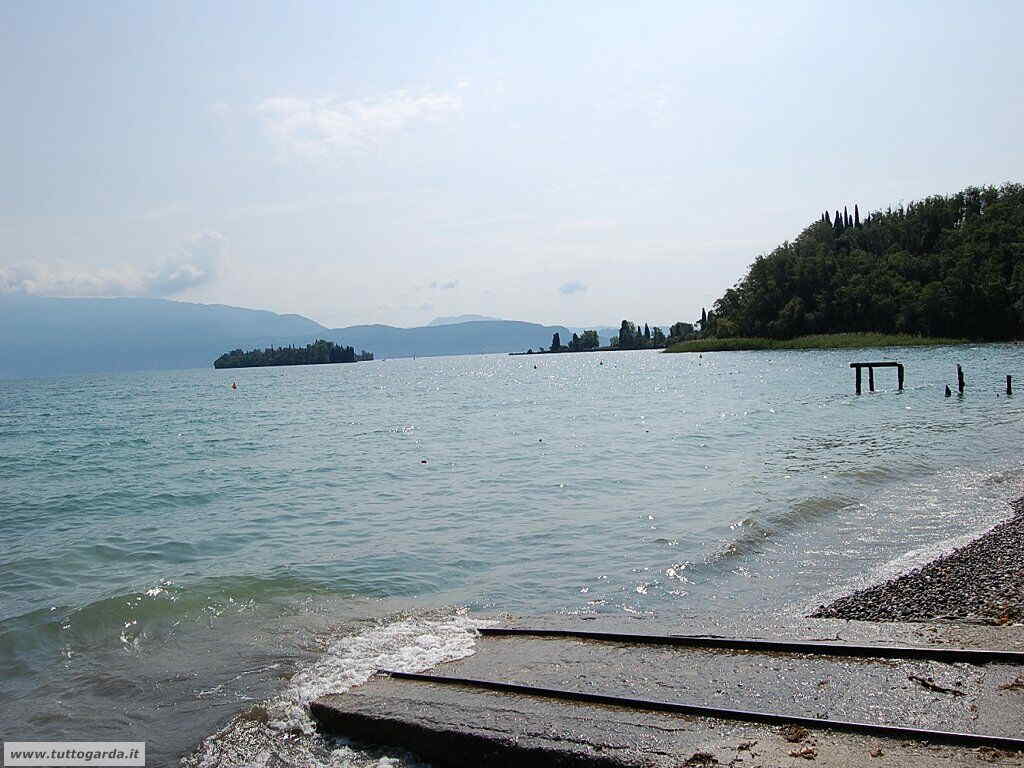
[[409, 645], [288, 738]]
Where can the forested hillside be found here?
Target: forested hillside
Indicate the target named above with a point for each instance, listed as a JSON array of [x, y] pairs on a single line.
[[944, 266]]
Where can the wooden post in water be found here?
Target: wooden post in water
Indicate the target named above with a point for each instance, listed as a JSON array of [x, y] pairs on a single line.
[[1009, 384], [960, 378], [948, 392], [871, 373]]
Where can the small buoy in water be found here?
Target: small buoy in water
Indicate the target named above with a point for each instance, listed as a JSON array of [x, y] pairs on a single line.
[[600, 362], [423, 461], [234, 385]]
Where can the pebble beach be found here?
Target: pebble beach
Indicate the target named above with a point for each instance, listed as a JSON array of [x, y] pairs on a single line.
[[981, 582]]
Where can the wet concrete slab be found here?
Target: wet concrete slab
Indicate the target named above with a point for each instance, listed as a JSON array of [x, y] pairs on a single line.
[[456, 726]]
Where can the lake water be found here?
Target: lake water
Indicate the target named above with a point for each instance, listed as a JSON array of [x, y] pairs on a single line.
[[174, 552]]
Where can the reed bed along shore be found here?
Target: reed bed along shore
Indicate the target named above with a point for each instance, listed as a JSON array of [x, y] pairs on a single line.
[[818, 341]]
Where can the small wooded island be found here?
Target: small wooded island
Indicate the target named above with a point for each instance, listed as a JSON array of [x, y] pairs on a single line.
[[320, 352]]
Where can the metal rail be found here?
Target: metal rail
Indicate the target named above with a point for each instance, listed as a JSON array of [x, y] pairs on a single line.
[[892, 731], [948, 655]]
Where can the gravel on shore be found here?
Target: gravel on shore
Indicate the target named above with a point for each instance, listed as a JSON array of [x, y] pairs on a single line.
[[981, 582]]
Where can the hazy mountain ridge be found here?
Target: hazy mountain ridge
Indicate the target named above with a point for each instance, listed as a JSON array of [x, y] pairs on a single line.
[[51, 337], [455, 319], [475, 337]]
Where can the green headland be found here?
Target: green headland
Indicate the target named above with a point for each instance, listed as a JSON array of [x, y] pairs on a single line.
[[937, 271]]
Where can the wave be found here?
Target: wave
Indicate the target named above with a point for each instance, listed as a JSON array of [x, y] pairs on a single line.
[[280, 731], [754, 532], [134, 619]]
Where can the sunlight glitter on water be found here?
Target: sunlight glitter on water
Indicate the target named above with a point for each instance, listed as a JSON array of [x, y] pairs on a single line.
[[149, 515]]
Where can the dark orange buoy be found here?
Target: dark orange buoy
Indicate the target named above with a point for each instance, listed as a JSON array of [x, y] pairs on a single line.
[[234, 385]]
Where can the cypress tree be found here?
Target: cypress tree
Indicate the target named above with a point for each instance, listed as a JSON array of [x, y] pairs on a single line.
[[827, 219], [625, 335], [838, 226], [856, 216], [647, 332]]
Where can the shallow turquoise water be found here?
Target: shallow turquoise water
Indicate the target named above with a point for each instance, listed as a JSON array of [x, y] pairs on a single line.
[[164, 535]]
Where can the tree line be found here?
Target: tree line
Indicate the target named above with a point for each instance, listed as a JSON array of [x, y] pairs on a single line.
[[630, 336], [318, 353], [944, 266], [587, 341]]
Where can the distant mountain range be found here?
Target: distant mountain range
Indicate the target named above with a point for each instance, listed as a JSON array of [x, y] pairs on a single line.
[[51, 337], [460, 319]]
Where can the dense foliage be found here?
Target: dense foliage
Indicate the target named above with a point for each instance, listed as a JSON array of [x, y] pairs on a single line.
[[632, 337], [584, 343], [944, 266], [317, 353], [588, 340]]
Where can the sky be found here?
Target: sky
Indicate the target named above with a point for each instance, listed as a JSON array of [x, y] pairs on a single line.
[[565, 163]]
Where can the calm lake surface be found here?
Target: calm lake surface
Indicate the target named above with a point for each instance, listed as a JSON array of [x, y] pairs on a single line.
[[174, 552]]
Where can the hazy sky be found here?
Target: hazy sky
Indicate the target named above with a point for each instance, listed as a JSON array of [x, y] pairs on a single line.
[[557, 162]]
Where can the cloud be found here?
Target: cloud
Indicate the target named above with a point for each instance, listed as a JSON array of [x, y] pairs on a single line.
[[317, 128], [194, 263], [572, 287], [220, 110], [161, 212]]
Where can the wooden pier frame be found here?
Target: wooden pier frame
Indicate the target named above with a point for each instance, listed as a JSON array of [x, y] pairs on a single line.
[[858, 367]]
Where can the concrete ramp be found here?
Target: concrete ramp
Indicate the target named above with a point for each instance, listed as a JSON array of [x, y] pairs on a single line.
[[456, 725]]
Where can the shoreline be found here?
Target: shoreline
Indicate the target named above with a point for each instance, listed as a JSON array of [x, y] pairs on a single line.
[[817, 341], [981, 582]]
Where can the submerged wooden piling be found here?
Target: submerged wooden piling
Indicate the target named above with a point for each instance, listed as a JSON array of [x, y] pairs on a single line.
[[960, 378], [949, 392], [1009, 384]]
